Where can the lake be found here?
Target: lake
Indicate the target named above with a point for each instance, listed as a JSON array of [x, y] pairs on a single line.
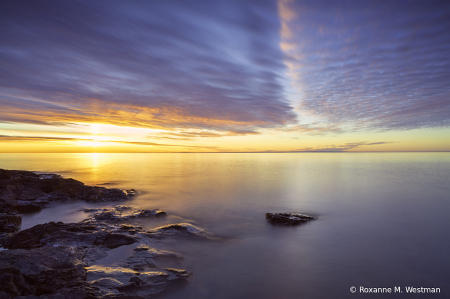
[[383, 218]]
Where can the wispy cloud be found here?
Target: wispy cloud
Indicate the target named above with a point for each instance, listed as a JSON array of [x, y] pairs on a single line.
[[97, 142], [211, 69], [183, 135], [314, 128], [340, 148], [370, 65], [174, 64]]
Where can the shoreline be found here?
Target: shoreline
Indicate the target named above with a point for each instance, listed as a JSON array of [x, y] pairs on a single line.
[[54, 259]]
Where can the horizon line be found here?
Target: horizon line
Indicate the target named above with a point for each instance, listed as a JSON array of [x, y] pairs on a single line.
[[260, 152]]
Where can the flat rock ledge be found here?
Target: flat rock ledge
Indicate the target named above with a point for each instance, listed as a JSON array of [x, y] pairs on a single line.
[[57, 260], [288, 218], [27, 192]]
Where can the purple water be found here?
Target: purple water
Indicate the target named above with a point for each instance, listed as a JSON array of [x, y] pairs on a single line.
[[384, 218]]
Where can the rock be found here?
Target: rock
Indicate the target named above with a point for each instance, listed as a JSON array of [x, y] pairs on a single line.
[[143, 257], [25, 191], [122, 213], [115, 280], [52, 234], [132, 192], [115, 240], [27, 207], [288, 218], [69, 234], [10, 223], [180, 229], [92, 254], [149, 213], [40, 271], [56, 260], [63, 272]]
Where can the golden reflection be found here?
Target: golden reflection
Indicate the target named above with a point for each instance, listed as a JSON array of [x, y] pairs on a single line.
[[94, 167]]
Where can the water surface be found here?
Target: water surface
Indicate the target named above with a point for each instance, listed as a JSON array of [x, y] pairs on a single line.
[[383, 217]]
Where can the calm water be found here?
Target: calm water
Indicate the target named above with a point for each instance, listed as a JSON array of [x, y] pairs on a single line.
[[384, 218]]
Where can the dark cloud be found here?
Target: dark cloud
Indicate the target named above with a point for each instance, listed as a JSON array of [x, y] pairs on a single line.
[[373, 65], [189, 64]]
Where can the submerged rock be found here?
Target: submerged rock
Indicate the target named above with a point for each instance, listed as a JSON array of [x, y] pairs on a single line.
[[288, 218]]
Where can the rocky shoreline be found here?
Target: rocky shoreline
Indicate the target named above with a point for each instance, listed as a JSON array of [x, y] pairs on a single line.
[[58, 260]]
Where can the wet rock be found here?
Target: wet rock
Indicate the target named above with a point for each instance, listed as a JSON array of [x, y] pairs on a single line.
[[132, 192], [144, 257], [115, 240], [288, 218], [25, 191], [10, 223], [59, 258], [40, 271], [68, 234], [115, 280], [31, 207], [149, 213], [92, 254], [122, 213], [179, 229]]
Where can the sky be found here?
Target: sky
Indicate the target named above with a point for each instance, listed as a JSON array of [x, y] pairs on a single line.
[[224, 76]]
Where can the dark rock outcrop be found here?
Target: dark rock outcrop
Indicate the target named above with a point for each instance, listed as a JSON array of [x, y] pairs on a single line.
[[69, 252], [69, 234], [60, 272], [115, 240], [25, 191], [10, 223], [57, 260], [288, 218], [43, 271]]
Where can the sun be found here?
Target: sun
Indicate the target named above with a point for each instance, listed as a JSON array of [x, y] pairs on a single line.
[[95, 141]]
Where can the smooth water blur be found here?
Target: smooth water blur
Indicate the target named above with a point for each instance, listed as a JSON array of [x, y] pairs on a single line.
[[383, 217]]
